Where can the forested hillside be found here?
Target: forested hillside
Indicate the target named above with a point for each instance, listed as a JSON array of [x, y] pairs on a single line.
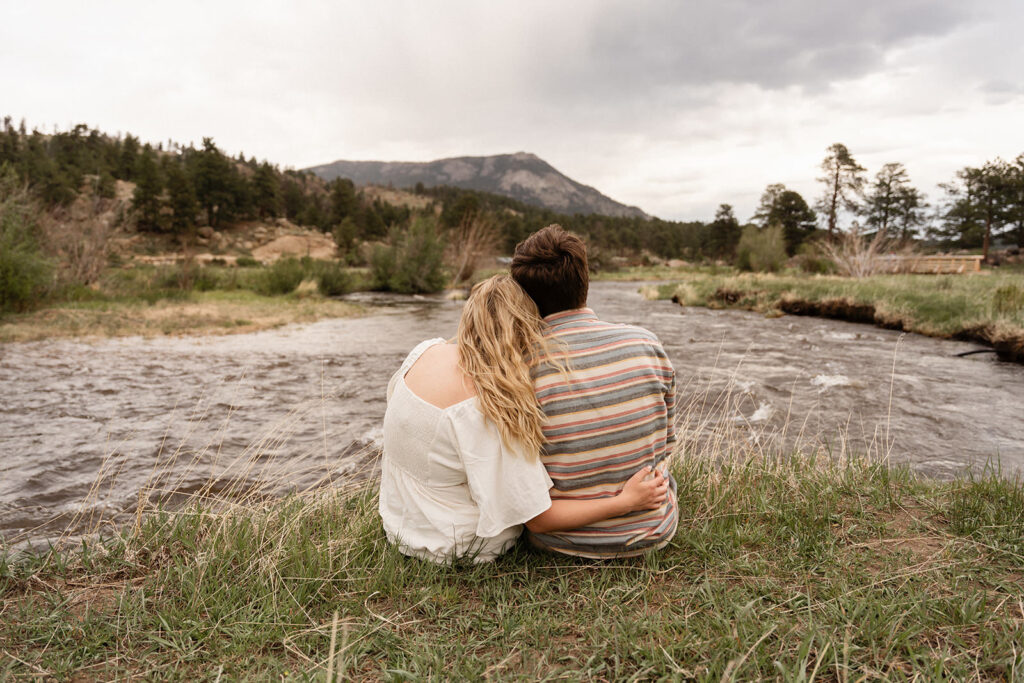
[[180, 188], [520, 176]]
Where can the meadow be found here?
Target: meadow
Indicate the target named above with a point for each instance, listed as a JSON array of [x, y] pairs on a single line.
[[789, 563]]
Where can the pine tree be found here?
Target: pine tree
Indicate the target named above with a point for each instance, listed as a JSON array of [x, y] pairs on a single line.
[[148, 188], [266, 191], [723, 233], [788, 210], [182, 200], [212, 179], [881, 205], [843, 181]]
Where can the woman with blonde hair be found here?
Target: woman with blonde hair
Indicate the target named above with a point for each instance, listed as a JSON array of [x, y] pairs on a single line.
[[461, 470]]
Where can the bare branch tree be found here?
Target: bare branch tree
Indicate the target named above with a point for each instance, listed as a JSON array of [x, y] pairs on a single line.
[[474, 238]]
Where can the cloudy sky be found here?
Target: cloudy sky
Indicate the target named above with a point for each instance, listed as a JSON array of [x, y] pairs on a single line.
[[672, 106]]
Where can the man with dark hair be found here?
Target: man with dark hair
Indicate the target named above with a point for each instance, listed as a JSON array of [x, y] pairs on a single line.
[[610, 417]]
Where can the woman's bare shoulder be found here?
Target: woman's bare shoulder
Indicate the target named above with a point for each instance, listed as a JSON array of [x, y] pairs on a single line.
[[436, 377]]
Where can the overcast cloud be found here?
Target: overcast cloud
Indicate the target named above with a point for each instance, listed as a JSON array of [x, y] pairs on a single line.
[[675, 107]]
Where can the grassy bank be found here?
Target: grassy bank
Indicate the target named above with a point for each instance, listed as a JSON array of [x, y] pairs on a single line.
[[987, 307], [197, 313], [153, 301], [790, 568]]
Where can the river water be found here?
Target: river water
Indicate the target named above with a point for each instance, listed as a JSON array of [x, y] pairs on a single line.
[[85, 426]]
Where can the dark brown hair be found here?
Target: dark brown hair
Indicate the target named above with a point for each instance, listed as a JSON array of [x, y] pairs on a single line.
[[551, 265]]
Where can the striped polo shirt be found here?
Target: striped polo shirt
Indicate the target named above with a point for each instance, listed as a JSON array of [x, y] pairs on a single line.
[[613, 417]]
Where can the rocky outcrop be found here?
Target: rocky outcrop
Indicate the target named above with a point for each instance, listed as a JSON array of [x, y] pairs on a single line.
[[521, 176]]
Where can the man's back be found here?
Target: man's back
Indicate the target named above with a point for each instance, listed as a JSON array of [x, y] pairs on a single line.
[[614, 417]]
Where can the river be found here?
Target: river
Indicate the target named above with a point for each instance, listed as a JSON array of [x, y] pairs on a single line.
[[86, 425]]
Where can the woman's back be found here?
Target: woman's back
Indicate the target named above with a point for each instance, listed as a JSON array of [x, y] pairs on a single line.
[[449, 486]]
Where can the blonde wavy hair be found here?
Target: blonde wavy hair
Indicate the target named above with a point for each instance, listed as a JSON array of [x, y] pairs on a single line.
[[500, 335]]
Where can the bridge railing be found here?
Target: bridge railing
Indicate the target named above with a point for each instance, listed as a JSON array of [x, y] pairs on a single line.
[[932, 264]]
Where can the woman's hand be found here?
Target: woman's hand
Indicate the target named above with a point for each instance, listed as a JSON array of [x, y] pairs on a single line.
[[641, 493]]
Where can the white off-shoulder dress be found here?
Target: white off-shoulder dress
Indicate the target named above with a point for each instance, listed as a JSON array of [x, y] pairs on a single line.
[[449, 487]]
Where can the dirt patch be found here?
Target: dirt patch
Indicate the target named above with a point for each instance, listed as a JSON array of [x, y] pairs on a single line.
[[837, 309], [913, 536], [397, 197], [93, 599], [315, 246]]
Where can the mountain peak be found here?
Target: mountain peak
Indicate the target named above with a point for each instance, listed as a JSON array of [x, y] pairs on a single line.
[[520, 175]]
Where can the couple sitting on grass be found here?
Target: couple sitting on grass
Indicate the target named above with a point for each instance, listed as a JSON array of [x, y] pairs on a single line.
[[540, 414]]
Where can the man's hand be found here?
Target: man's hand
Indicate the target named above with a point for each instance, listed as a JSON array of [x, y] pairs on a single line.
[[643, 491]]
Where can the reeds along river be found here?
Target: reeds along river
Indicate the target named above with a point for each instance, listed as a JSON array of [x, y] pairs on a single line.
[[86, 426]]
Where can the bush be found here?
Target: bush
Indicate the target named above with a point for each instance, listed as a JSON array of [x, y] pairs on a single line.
[[761, 250], [332, 279], [413, 262], [246, 262], [809, 259], [281, 278], [25, 274]]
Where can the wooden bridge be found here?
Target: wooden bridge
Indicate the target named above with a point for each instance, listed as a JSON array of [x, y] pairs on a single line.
[[932, 264]]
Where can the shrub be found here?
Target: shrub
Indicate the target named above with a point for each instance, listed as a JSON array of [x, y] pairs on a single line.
[[761, 250], [809, 259], [281, 278], [206, 279], [470, 242], [857, 256], [25, 274], [246, 262], [413, 263], [332, 279]]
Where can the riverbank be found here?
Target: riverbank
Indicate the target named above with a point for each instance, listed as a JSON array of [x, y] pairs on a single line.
[[987, 308], [782, 566], [195, 313], [152, 301]]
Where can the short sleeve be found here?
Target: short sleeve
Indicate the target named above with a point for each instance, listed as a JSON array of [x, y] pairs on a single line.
[[409, 360], [508, 488]]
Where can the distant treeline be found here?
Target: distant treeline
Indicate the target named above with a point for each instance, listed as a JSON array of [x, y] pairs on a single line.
[[516, 220], [179, 188]]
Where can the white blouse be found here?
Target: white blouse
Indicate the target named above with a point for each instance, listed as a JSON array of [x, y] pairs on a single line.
[[449, 487]]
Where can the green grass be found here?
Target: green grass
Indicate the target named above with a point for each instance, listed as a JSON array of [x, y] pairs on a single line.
[[156, 300], [987, 307], [791, 568]]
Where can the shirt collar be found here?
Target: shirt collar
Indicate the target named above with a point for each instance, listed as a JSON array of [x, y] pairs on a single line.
[[572, 315]]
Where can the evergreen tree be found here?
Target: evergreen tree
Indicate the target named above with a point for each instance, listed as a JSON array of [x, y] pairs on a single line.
[[910, 212], [723, 233], [788, 210], [213, 181], [343, 200], [1015, 199], [182, 200], [128, 158], [979, 204], [843, 181], [266, 191], [148, 188], [293, 198], [882, 203]]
